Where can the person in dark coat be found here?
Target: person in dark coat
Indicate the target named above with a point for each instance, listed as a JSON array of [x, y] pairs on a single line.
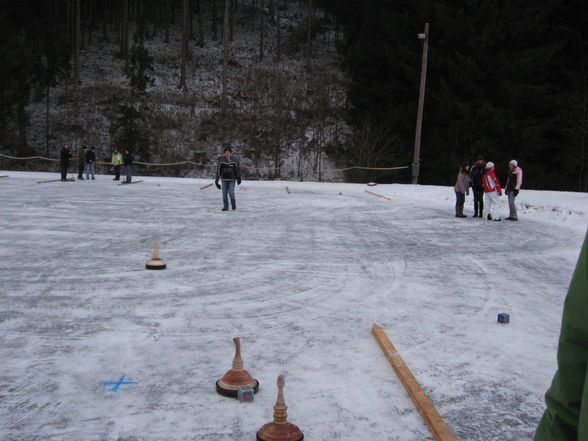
[[81, 161], [228, 170], [90, 162], [64, 155], [128, 165], [476, 174]]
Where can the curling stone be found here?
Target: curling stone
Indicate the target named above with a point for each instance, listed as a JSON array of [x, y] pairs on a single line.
[[280, 429], [155, 263], [229, 384]]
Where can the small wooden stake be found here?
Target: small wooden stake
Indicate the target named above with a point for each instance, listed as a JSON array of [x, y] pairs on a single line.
[[378, 195], [420, 399], [206, 186]]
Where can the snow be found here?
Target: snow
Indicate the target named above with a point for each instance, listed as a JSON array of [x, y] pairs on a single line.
[[301, 278]]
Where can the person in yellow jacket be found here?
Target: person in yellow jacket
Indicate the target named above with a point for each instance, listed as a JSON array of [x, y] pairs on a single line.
[[117, 161], [566, 417]]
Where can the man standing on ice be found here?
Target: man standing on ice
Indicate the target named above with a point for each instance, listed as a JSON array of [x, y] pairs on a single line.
[[128, 165], [81, 162], [228, 170], [476, 174], [513, 185], [64, 156], [492, 192]]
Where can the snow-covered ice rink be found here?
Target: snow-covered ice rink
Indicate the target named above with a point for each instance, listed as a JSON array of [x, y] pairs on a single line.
[[301, 278]]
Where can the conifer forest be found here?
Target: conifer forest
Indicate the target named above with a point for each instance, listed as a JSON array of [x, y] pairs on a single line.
[[302, 90]]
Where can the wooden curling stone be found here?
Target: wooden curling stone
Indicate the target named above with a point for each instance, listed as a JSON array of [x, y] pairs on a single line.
[[155, 263], [229, 384], [280, 429]]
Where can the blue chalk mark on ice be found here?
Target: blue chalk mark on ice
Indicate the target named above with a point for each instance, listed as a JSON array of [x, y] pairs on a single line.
[[117, 384]]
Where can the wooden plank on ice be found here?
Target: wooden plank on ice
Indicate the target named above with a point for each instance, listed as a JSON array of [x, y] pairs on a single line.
[[378, 195], [424, 405], [55, 180]]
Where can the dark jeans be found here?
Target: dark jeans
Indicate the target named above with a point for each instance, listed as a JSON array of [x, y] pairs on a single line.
[[228, 187], [129, 172], [459, 200], [81, 166], [478, 200], [64, 171], [117, 172]]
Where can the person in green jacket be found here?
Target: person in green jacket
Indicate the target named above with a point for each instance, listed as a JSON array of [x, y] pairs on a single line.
[[566, 417], [117, 161]]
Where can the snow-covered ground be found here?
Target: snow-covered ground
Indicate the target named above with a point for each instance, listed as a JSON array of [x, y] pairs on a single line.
[[300, 277]]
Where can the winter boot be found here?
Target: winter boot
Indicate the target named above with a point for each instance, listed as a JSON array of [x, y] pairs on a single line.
[[460, 212]]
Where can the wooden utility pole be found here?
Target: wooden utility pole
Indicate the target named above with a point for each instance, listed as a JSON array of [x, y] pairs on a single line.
[[419, 125], [224, 100]]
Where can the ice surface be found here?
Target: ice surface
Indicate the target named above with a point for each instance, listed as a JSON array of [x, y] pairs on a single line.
[[300, 278]]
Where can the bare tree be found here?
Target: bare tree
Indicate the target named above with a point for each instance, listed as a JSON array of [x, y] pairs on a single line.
[[200, 24], [214, 31], [185, 31], [77, 42], [278, 35], [224, 100], [309, 35], [124, 40], [261, 35]]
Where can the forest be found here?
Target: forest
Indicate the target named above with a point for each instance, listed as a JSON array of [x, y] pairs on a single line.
[[301, 87]]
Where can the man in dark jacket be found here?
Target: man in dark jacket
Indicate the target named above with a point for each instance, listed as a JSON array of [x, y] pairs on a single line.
[[81, 161], [65, 154], [128, 165], [566, 417], [90, 161], [228, 170], [476, 173]]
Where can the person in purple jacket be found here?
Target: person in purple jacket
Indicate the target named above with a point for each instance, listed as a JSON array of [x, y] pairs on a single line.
[[462, 187]]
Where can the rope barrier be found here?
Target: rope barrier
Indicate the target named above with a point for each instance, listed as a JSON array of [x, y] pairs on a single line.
[[167, 164]]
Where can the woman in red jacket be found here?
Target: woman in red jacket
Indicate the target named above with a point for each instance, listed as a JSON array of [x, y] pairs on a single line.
[[492, 192]]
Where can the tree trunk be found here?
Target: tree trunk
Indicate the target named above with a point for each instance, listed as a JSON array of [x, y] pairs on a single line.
[[214, 30], [200, 25], [77, 44], [185, 30], [278, 35], [167, 14], [47, 120], [309, 36], [124, 40], [261, 32], [231, 22], [191, 14], [252, 15], [224, 100], [104, 20]]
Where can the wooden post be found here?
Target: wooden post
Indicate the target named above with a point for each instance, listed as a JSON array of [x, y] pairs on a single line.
[[419, 124]]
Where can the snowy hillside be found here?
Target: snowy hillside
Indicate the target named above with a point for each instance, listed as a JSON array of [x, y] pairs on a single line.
[[282, 116], [300, 277]]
